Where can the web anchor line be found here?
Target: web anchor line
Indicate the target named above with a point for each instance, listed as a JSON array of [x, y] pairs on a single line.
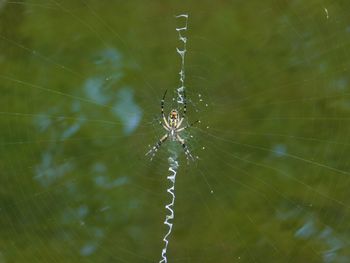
[[173, 166]]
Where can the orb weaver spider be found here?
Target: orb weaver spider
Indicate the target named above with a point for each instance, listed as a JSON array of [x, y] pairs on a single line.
[[172, 125]]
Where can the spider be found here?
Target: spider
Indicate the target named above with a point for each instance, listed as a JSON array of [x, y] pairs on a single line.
[[172, 125]]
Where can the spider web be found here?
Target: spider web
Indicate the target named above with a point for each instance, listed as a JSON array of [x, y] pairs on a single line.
[[81, 86]]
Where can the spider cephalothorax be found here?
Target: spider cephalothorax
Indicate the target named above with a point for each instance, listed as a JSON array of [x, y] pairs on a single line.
[[173, 115], [173, 127]]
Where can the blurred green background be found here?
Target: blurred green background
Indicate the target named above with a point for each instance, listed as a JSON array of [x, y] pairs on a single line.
[[81, 83]]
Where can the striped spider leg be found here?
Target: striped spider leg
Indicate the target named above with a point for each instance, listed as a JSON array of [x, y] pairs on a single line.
[[173, 126], [155, 148]]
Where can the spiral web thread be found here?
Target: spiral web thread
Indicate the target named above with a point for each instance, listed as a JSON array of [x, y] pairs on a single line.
[[172, 160]]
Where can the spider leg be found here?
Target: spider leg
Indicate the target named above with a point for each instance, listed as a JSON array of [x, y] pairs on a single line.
[[162, 103], [184, 146], [165, 127], [185, 103], [165, 124], [155, 148], [179, 123], [188, 126], [162, 110]]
